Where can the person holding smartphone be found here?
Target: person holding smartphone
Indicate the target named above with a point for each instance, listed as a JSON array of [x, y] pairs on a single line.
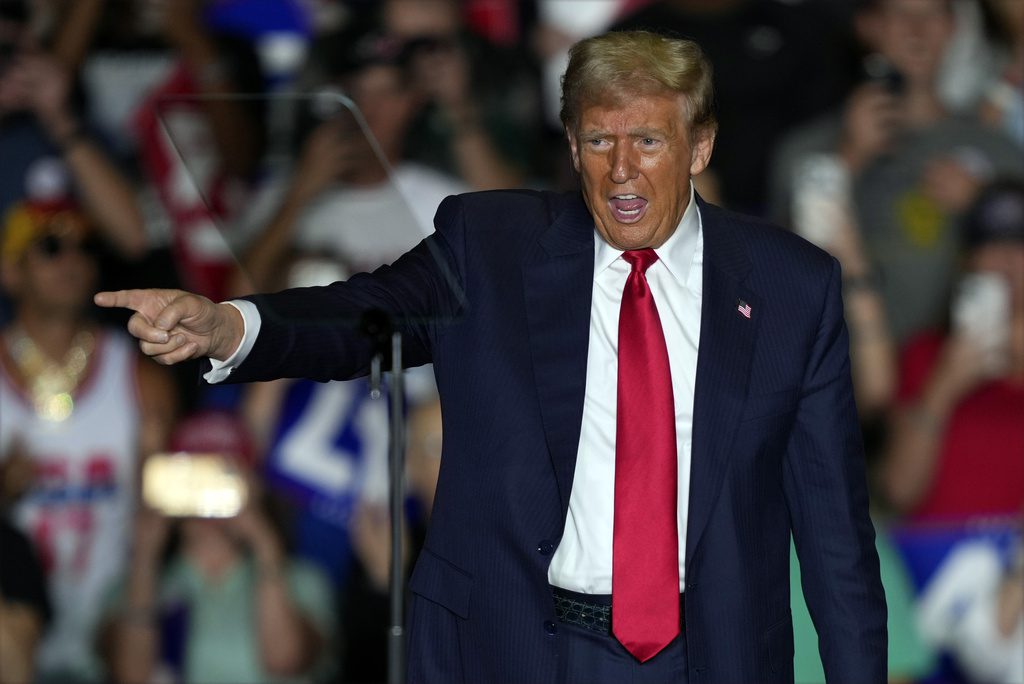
[[211, 593], [912, 165], [955, 450]]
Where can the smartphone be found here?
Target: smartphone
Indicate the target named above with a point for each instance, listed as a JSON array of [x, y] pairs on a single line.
[[981, 309], [821, 195], [193, 485], [880, 70]]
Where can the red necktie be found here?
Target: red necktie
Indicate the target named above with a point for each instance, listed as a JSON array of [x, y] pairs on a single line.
[[645, 542]]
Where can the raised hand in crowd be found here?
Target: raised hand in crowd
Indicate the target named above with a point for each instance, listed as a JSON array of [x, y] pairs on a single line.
[[286, 640], [951, 184], [442, 73], [958, 412], [253, 531], [37, 82], [334, 151], [870, 122], [289, 641], [446, 70], [235, 132], [965, 362], [872, 349]]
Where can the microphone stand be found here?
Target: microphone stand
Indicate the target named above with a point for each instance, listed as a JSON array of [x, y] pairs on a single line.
[[378, 327]]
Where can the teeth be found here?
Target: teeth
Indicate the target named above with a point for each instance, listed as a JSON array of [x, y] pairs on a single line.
[[625, 197]]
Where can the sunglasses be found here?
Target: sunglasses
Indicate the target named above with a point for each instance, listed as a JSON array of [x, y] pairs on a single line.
[[52, 246]]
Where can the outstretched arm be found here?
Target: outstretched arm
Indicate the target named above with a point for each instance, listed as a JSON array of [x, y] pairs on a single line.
[[310, 332], [174, 326]]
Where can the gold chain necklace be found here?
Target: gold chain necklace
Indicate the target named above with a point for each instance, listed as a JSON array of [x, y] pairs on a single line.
[[51, 384]]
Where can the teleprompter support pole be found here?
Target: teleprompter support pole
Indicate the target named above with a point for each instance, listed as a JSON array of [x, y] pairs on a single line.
[[396, 492], [377, 326]]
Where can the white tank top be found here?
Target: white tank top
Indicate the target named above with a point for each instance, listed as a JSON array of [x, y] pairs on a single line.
[[80, 508]]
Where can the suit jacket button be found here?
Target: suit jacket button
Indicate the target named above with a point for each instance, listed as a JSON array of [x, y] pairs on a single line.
[[550, 627], [545, 547]]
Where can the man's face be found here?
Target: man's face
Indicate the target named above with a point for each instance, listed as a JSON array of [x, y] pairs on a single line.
[[386, 103], [635, 159], [57, 274], [913, 35]]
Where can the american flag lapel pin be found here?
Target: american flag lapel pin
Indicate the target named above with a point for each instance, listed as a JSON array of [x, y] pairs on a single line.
[[743, 308]]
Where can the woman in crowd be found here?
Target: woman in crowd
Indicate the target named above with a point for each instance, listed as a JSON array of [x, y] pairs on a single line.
[[228, 605], [956, 446]]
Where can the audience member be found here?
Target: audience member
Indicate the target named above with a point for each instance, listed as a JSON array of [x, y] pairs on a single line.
[[343, 199], [325, 446], [200, 145], [228, 604], [776, 64], [560, 23], [79, 407], [41, 135], [913, 168], [973, 608], [482, 118], [957, 439], [893, 185], [824, 214]]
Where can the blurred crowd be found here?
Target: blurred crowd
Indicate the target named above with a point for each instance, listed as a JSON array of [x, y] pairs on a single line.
[[235, 146]]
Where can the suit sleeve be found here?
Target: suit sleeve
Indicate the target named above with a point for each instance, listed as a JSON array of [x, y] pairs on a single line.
[[316, 332], [826, 491]]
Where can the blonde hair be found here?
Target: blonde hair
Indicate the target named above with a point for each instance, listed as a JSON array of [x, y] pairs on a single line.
[[607, 68]]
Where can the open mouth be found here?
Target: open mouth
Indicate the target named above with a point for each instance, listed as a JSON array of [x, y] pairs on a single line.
[[627, 208]]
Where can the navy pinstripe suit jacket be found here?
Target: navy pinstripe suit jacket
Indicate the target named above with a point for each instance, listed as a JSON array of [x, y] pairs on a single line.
[[776, 445]]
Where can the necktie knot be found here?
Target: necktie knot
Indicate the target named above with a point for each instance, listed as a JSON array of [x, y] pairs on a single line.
[[640, 259]]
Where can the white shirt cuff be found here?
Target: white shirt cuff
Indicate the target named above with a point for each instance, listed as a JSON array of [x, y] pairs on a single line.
[[251, 321]]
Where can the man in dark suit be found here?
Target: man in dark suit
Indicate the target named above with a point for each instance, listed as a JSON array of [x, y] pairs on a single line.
[[643, 396]]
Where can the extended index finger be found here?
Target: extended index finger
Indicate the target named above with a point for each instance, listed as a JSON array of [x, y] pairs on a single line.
[[124, 299]]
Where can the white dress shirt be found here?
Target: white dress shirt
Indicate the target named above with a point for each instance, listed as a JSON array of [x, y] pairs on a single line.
[[251, 321], [583, 560]]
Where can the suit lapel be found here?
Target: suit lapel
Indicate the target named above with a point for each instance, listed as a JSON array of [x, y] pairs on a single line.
[[558, 287], [723, 365]]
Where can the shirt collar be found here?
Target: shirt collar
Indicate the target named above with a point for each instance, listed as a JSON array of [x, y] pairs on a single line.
[[676, 253]]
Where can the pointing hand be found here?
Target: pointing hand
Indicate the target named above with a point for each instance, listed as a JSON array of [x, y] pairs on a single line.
[[174, 326]]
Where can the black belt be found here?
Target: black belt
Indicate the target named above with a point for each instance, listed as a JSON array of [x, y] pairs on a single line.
[[590, 611]]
